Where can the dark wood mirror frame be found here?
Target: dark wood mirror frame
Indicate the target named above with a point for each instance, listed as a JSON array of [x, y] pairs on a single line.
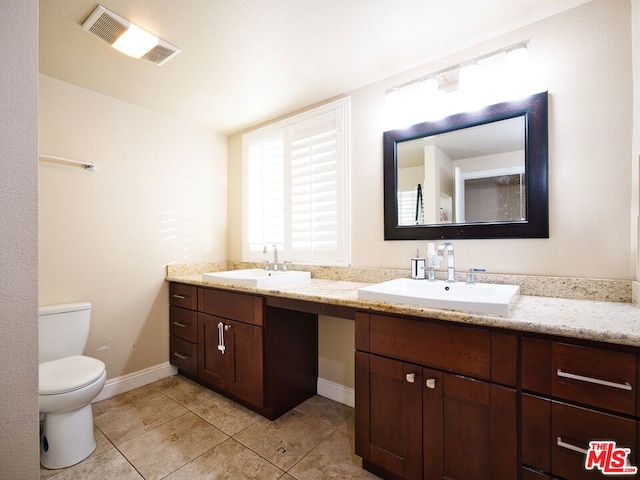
[[536, 225]]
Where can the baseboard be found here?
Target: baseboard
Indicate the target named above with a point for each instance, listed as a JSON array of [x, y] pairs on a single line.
[[115, 386], [118, 385], [335, 391]]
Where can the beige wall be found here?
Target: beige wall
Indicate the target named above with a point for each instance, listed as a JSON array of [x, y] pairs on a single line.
[[583, 58], [19, 449], [158, 195]]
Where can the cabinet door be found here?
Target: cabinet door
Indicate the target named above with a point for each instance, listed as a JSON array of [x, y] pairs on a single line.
[[213, 364], [389, 416], [236, 369], [243, 344], [478, 424]]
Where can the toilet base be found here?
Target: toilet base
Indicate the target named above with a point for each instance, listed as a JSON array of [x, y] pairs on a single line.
[[69, 438]]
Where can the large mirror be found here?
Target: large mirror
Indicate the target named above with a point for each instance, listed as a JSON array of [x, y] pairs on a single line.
[[472, 175]]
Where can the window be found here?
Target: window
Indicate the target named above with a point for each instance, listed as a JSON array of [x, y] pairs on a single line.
[[295, 188]]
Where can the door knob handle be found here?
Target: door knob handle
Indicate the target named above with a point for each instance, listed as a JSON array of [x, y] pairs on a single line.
[[411, 377], [431, 383]]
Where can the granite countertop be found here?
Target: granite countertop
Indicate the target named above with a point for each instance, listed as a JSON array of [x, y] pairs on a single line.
[[604, 321]]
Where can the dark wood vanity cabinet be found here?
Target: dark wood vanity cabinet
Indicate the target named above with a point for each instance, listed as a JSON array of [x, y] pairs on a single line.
[[263, 357], [435, 401], [573, 394]]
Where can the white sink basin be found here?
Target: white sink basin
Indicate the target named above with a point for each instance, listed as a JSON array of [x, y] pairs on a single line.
[[477, 297], [256, 277]]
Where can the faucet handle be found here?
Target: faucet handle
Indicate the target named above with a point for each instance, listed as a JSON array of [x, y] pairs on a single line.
[[471, 276], [285, 265]]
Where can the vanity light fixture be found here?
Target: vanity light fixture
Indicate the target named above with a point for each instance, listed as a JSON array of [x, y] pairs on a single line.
[[491, 78], [448, 78], [129, 38]]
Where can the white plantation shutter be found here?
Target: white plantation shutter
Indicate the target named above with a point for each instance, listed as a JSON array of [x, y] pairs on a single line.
[[264, 209], [407, 207], [295, 188]]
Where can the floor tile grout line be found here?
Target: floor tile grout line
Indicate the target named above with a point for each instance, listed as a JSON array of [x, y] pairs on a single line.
[[173, 471], [333, 430], [120, 452], [316, 415], [286, 471], [189, 410], [164, 423], [146, 431], [194, 459], [260, 455]]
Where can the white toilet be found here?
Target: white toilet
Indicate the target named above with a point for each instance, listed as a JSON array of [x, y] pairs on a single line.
[[69, 382]]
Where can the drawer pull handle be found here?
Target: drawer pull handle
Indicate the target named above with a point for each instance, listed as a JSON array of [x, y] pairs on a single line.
[[181, 356], [597, 381], [431, 383], [178, 324], [411, 377], [569, 446], [221, 329], [181, 297]]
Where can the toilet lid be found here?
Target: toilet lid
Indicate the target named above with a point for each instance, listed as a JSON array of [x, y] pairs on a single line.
[[68, 374]]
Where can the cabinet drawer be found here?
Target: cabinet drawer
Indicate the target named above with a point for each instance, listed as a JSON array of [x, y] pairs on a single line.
[[595, 377], [555, 436], [457, 349], [183, 323], [183, 355], [572, 428], [235, 306], [185, 296]]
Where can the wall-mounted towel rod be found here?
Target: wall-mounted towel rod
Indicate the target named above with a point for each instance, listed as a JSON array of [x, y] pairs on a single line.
[[86, 165]]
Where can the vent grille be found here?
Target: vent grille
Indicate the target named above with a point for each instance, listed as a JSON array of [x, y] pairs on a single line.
[[109, 27], [160, 53]]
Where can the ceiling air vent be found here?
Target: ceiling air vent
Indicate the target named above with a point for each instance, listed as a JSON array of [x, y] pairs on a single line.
[[160, 53], [114, 29]]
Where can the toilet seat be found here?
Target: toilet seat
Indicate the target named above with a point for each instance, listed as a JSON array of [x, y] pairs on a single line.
[[68, 374]]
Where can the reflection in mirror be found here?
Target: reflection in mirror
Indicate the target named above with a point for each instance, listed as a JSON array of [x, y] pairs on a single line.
[[472, 175], [466, 176]]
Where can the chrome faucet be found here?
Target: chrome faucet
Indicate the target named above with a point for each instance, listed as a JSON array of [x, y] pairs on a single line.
[[275, 257], [451, 269]]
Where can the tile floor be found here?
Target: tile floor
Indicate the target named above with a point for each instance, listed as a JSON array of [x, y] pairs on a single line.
[[175, 429]]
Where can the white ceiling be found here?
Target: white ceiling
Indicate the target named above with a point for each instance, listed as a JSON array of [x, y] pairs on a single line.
[[246, 61]]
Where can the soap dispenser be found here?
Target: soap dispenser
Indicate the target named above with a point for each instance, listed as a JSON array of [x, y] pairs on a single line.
[[418, 267], [433, 261]]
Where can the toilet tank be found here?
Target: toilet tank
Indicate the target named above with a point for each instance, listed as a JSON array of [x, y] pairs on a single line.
[[63, 330]]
